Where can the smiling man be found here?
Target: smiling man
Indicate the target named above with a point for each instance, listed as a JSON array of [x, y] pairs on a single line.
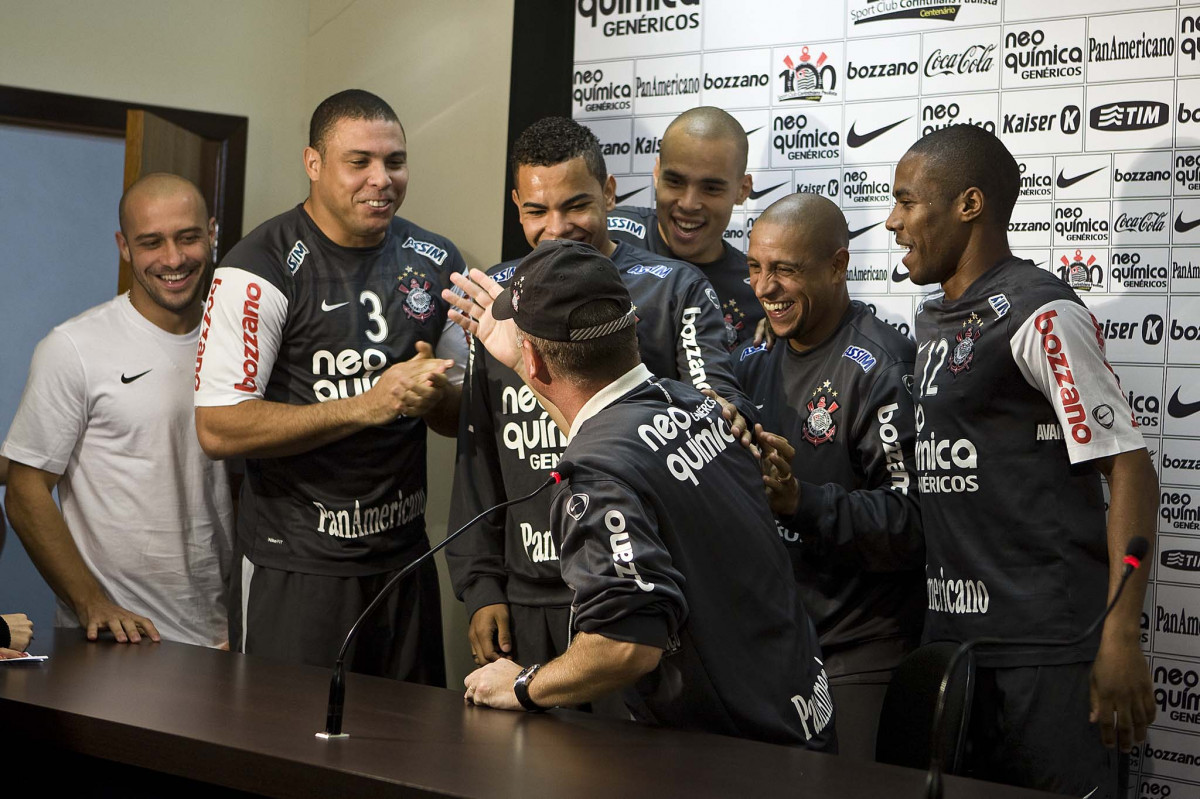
[[141, 545], [839, 455], [699, 176], [1018, 416], [508, 571], [316, 364]]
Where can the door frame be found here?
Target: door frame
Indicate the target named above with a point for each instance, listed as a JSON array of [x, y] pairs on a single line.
[[35, 108]]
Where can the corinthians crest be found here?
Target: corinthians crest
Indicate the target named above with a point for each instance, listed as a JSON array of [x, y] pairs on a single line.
[[819, 427], [418, 302], [807, 79], [964, 350]]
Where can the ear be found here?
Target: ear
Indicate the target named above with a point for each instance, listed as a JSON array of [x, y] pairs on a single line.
[[970, 204], [841, 259], [655, 172], [516, 198], [123, 247], [212, 232], [610, 193], [535, 365], [312, 163], [744, 189]]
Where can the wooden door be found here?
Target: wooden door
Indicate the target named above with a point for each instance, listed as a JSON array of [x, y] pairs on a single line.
[[152, 144]]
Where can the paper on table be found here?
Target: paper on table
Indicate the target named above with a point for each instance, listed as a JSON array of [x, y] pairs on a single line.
[[26, 659]]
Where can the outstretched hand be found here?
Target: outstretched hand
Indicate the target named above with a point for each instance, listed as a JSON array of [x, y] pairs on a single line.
[[472, 312]]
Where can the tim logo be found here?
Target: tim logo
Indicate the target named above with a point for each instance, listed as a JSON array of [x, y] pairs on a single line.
[[430, 251], [1129, 115], [627, 226], [807, 79], [296, 257], [1000, 305], [1181, 559]]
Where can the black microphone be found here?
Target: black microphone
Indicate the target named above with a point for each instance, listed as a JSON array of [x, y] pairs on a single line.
[[337, 684], [1134, 553]]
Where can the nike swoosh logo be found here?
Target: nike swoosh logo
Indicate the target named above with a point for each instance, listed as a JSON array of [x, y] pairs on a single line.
[[756, 130], [754, 195], [856, 233], [858, 140], [620, 198], [125, 379], [1181, 410], [898, 276], [325, 306], [1184, 227], [1065, 182]]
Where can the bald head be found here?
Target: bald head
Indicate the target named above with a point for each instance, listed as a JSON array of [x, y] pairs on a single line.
[[818, 221], [156, 186], [711, 124]]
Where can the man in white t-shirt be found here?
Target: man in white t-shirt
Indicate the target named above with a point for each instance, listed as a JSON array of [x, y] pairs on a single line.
[[142, 543]]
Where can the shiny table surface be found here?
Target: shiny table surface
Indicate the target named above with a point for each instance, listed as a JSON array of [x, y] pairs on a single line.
[[248, 723]]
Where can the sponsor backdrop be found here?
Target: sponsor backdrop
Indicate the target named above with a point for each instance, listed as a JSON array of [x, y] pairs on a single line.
[[1100, 103]]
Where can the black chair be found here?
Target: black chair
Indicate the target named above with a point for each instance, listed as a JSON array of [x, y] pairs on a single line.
[[906, 720]]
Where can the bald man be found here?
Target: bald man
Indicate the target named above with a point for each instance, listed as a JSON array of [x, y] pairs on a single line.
[[699, 175], [838, 456], [142, 544]]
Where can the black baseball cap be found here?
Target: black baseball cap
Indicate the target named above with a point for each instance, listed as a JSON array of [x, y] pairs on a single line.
[[555, 279]]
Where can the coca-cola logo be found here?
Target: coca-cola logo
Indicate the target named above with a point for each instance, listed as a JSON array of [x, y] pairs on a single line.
[[1149, 222], [976, 58]]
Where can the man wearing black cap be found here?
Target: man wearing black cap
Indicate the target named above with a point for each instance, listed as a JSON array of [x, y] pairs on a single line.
[[507, 573], [683, 596]]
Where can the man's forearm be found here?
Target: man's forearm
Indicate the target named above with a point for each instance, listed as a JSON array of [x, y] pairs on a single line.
[[43, 532], [261, 429], [1133, 505], [593, 666], [443, 417]]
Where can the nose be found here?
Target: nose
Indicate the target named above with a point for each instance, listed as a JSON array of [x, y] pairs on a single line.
[[172, 254], [690, 199], [558, 225], [379, 176], [893, 222]]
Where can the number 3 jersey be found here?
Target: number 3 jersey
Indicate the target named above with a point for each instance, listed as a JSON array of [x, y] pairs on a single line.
[[1014, 399], [294, 318]]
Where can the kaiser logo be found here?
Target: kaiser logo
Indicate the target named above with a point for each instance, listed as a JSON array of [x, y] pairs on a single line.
[[975, 59], [808, 79], [1067, 119], [1129, 115], [1152, 329]]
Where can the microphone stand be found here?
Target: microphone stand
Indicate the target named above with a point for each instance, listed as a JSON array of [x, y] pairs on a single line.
[[934, 787], [337, 684]]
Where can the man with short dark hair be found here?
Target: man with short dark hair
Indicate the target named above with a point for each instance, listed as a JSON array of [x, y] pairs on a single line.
[[699, 176], [316, 363], [508, 573], [1018, 415], [141, 545], [835, 395], [682, 596]]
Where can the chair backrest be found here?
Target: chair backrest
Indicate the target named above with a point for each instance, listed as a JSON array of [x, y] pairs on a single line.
[[906, 720]]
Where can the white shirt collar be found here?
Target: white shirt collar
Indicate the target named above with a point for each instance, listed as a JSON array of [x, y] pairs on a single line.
[[608, 395]]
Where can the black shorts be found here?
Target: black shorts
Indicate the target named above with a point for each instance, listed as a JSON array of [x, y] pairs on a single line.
[[539, 634], [304, 618], [1029, 727]]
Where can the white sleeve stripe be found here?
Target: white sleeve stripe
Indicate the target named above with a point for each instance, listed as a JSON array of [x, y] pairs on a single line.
[[239, 338], [1059, 351]]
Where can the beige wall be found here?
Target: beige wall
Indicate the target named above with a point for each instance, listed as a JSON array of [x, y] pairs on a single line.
[[225, 56], [443, 65]]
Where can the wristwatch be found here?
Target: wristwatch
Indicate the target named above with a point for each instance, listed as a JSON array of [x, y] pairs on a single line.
[[521, 688]]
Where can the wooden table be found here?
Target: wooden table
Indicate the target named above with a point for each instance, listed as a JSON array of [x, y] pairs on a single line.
[[248, 724]]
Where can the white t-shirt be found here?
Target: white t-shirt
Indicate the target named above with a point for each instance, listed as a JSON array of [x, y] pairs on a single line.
[[108, 405]]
